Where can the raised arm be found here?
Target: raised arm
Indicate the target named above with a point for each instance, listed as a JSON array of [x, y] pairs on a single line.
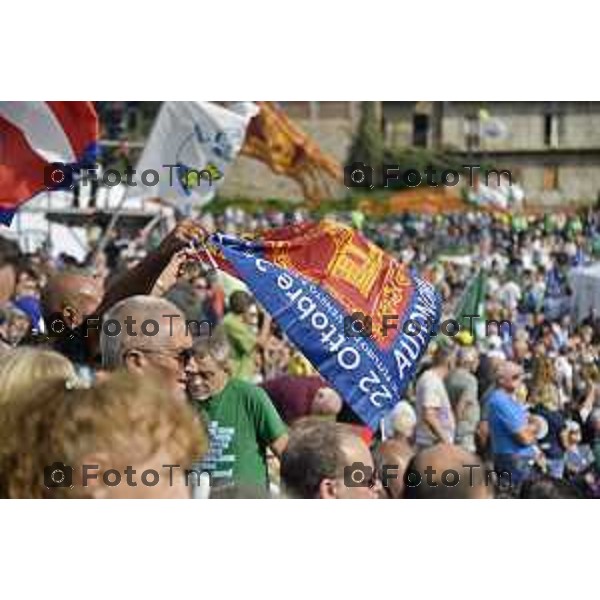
[[143, 277]]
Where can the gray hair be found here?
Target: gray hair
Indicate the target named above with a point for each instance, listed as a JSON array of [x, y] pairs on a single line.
[[215, 346], [113, 347], [403, 419]]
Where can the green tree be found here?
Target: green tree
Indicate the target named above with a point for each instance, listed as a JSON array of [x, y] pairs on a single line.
[[368, 146]]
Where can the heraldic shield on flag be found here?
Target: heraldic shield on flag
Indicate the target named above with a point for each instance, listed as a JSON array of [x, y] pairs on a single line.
[[313, 278]]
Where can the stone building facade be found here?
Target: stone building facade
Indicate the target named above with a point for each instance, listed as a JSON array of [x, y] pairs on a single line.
[[551, 148]]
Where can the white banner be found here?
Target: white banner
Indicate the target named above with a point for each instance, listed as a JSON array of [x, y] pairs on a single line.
[[189, 150]]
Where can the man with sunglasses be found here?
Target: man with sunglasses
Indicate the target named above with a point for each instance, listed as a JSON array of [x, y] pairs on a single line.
[[512, 432], [167, 354]]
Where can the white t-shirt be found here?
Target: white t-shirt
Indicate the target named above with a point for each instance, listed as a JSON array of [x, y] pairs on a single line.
[[431, 393]]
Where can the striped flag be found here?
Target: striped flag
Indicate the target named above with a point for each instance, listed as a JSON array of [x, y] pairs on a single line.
[[33, 135]]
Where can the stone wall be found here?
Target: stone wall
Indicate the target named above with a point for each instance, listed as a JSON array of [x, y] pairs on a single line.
[[331, 125]]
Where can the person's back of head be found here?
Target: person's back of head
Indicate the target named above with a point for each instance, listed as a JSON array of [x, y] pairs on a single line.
[[326, 402], [239, 302], [311, 458], [403, 420], [392, 459], [22, 368], [442, 358], [123, 422], [446, 472], [545, 487]]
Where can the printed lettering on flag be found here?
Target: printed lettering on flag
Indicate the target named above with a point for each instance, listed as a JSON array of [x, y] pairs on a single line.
[[311, 278]]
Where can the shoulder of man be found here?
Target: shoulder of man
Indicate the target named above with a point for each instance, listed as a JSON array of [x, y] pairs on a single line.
[[246, 390], [496, 396], [258, 404]]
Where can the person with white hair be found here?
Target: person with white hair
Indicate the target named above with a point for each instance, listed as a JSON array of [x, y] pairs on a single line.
[[401, 422], [578, 457], [146, 334], [513, 433]]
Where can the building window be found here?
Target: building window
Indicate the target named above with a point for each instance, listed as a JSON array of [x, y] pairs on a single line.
[[420, 130], [551, 130], [551, 182], [472, 132]]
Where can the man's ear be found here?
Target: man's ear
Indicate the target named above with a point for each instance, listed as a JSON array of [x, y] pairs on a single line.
[[90, 478], [69, 314], [134, 361], [327, 489]]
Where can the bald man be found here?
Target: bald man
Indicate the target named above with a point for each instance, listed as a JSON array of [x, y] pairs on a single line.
[[392, 458], [68, 299], [297, 396], [148, 335], [73, 296], [445, 472]]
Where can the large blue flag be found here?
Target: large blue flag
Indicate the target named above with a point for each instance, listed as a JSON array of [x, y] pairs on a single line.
[[358, 315]]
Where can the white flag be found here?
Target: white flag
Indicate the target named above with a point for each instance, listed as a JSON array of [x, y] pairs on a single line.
[[189, 150]]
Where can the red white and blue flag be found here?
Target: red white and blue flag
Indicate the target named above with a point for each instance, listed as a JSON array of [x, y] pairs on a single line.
[[33, 135]]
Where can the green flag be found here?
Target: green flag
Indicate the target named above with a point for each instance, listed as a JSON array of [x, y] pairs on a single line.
[[473, 303]]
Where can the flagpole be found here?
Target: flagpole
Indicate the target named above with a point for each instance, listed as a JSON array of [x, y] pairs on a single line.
[[113, 221], [382, 430], [111, 225]]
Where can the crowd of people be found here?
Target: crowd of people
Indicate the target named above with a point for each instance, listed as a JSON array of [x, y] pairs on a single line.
[[186, 376]]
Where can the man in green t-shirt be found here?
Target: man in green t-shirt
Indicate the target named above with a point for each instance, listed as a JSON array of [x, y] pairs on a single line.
[[240, 418]]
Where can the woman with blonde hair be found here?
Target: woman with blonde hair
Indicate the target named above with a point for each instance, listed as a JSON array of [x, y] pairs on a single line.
[[23, 367], [545, 398], [121, 438]]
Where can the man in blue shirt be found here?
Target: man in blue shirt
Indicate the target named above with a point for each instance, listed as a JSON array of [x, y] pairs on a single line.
[[512, 434]]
